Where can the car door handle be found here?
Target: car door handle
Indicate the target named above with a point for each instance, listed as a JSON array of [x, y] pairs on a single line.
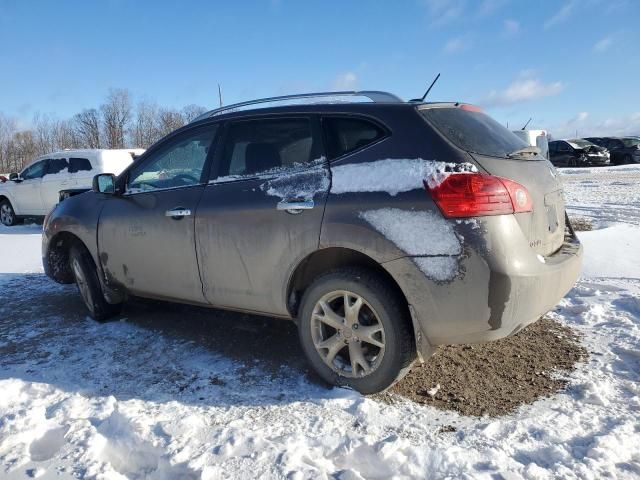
[[295, 206], [178, 212]]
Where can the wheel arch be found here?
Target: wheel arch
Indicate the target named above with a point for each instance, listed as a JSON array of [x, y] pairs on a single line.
[[57, 256], [324, 260]]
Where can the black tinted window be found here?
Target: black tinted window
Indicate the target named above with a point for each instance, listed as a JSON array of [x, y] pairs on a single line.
[[79, 164], [259, 145], [345, 135], [474, 131], [56, 165]]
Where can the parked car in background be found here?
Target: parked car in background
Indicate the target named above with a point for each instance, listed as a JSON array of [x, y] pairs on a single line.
[[35, 190], [535, 138], [577, 152], [326, 213], [622, 149]]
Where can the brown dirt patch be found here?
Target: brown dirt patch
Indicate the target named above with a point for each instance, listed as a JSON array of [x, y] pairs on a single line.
[[494, 378]]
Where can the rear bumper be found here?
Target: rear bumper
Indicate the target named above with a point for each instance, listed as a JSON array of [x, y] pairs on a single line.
[[498, 288]]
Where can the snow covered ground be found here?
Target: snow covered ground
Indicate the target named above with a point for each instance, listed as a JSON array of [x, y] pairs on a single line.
[[138, 399]]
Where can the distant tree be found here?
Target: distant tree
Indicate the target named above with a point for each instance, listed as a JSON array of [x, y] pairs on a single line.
[[87, 128], [190, 112], [7, 130], [144, 131], [168, 121], [116, 124], [116, 115]]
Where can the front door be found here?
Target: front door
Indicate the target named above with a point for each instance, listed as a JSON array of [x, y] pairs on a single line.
[[146, 234], [262, 213], [28, 197]]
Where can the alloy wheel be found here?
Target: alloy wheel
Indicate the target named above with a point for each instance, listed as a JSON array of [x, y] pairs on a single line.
[[347, 334], [7, 216]]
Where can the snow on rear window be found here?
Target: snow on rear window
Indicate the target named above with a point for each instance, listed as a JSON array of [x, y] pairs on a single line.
[[392, 175]]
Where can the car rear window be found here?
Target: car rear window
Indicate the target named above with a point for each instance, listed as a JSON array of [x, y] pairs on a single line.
[[345, 135], [474, 131], [79, 165]]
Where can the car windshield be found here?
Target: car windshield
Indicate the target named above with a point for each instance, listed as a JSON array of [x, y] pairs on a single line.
[[631, 142], [475, 132], [579, 143]]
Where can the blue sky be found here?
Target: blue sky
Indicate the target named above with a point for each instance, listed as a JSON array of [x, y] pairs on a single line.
[[569, 64]]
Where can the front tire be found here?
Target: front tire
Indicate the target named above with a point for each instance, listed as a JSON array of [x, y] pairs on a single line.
[[86, 278], [7, 214], [355, 330]]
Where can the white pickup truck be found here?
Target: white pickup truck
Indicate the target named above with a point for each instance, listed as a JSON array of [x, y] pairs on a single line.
[[35, 190]]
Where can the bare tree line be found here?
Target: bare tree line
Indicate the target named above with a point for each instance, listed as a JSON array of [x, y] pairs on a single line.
[[116, 123]]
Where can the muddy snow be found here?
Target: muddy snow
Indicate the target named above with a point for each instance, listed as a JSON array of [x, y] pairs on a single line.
[[177, 392]]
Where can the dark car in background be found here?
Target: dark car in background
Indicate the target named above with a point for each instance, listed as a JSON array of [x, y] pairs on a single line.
[[622, 149], [577, 152], [327, 214]]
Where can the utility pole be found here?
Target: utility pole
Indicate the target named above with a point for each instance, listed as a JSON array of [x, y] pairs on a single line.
[[220, 95]]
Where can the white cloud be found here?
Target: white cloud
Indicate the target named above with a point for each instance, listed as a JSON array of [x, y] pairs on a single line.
[[583, 125], [603, 45], [523, 89], [560, 16], [511, 27], [455, 45], [346, 81], [444, 11], [487, 7]]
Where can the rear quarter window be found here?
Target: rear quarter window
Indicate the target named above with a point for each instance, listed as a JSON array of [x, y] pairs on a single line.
[[473, 131], [346, 135], [79, 165]]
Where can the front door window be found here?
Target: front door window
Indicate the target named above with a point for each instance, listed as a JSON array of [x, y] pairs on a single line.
[[180, 164]]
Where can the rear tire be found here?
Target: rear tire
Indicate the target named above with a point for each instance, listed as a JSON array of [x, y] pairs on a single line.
[[8, 216], [86, 278], [368, 345]]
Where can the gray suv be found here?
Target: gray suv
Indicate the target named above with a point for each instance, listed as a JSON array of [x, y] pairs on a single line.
[[382, 228]]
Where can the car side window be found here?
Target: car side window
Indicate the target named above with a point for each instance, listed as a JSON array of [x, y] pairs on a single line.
[[345, 135], [79, 165], [615, 144], [37, 170], [57, 165], [179, 164], [563, 147], [256, 146]]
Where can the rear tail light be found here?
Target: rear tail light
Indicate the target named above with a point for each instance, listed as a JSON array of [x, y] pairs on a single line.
[[476, 194]]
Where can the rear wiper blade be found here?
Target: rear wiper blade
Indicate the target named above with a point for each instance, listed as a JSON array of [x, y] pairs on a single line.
[[524, 151]]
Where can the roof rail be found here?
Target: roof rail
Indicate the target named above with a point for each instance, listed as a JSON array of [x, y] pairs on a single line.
[[374, 95]]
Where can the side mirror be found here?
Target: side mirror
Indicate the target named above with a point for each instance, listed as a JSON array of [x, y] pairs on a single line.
[[14, 176], [104, 183]]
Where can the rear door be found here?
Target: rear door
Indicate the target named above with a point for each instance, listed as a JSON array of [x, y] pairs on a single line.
[[57, 178], [493, 147], [146, 234], [261, 213]]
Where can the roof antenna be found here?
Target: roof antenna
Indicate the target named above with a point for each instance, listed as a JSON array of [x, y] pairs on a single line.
[[428, 90], [525, 125]]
